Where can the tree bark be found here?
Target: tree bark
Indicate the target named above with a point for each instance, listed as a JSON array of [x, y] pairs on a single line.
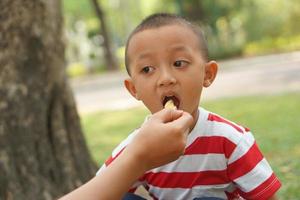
[[110, 59], [42, 150]]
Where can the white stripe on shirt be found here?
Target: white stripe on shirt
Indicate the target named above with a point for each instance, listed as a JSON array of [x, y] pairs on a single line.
[[195, 163], [260, 173], [242, 147]]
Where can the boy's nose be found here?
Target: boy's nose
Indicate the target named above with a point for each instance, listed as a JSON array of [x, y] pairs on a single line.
[[166, 78]]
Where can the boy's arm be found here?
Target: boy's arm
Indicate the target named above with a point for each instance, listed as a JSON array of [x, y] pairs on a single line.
[[250, 171], [147, 150]]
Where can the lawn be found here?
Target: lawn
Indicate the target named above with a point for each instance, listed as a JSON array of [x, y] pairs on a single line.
[[274, 121]]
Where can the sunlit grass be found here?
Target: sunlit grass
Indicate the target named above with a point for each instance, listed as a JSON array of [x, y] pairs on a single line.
[[105, 130], [274, 121]]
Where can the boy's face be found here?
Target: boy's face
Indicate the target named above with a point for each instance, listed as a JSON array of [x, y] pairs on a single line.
[[166, 63]]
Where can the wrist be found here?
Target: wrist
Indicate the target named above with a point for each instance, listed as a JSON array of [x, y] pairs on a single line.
[[135, 160]]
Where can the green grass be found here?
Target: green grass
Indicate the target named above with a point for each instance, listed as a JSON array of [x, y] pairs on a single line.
[[105, 130], [274, 121]]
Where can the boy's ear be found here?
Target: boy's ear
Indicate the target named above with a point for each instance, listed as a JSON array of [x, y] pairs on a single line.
[[131, 88], [211, 69]]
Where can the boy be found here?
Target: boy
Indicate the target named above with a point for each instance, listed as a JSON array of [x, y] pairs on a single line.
[[166, 58]]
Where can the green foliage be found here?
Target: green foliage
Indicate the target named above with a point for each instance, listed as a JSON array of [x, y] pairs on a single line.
[[273, 45], [76, 69], [79, 9], [272, 119], [232, 28]]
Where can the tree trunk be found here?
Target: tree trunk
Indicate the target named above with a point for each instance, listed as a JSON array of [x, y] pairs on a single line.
[[42, 150], [110, 59]]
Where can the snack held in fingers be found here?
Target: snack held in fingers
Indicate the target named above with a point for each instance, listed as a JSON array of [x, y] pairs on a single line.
[[170, 104]]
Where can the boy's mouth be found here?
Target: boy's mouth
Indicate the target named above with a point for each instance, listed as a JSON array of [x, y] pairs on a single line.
[[175, 100]]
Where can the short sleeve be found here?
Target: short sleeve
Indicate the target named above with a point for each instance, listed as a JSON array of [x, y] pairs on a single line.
[[250, 171]]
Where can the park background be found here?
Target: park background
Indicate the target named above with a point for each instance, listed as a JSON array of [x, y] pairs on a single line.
[[234, 30], [42, 144]]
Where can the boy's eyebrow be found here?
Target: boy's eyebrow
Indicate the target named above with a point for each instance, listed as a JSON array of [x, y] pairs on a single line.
[[144, 55], [179, 48]]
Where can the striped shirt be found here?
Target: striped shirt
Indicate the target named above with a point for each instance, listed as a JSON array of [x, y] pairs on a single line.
[[221, 160]]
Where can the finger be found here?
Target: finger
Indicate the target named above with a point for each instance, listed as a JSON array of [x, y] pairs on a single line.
[[184, 121], [167, 115]]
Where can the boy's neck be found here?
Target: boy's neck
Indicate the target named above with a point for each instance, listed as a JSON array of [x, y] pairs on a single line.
[[195, 116]]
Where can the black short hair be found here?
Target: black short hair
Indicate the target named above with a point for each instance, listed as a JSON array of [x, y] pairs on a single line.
[[162, 19]]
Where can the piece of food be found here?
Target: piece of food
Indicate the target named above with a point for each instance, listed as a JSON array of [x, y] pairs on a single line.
[[170, 104]]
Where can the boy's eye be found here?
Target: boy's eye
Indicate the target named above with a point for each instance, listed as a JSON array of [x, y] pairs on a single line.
[[180, 63], [147, 69]]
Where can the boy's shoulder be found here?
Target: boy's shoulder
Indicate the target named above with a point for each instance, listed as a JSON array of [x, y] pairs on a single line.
[[216, 125], [124, 143]]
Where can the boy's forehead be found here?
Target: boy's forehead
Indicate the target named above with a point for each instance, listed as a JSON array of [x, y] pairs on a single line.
[[174, 34], [165, 29]]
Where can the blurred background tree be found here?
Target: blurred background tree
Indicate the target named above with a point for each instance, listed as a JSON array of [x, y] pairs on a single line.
[[233, 28], [109, 57], [43, 154]]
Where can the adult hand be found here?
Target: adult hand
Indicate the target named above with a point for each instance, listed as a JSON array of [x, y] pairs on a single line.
[[161, 139]]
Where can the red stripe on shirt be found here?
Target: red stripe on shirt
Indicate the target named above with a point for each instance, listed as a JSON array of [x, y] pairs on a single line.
[[246, 163], [264, 190], [212, 144], [216, 118], [132, 190], [232, 195], [246, 129], [186, 179], [111, 159]]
